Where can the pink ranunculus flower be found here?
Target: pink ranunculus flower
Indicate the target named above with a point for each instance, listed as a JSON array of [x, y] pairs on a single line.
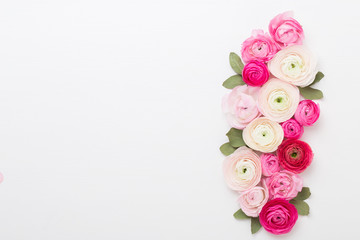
[[255, 73], [251, 201], [278, 216], [292, 129], [307, 113], [260, 46], [284, 184], [240, 106], [269, 164], [285, 30], [242, 169]]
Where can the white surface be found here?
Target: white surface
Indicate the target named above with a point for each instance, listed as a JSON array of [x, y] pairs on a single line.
[[110, 118]]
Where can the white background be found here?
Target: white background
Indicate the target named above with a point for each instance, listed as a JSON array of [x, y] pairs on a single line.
[[110, 118]]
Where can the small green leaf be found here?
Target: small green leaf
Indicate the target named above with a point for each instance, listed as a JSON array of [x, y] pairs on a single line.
[[255, 225], [227, 149], [301, 206], [233, 81], [311, 93], [240, 215], [304, 194], [236, 63], [318, 77], [235, 137]]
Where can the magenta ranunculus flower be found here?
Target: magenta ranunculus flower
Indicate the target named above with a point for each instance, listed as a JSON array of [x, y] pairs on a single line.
[[260, 46], [255, 73], [294, 155], [292, 129], [285, 30], [284, 184], [269, 164], [278, 216], [307, 112]]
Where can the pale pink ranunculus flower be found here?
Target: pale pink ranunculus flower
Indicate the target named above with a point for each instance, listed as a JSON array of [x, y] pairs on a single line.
[[251, 201], [260, 46], [295, 65], [284, 184], [285, 30], [278, 100], [242, 169], [240, 106], [269, 164]]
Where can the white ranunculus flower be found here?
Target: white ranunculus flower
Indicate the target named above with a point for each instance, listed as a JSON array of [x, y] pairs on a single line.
[[242, 169], [278, 100], [263, 135], [295, 65]]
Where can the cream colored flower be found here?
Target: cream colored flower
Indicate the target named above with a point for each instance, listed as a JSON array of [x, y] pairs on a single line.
[[263, 135], [278, 100], [295, 65], [242, 169]]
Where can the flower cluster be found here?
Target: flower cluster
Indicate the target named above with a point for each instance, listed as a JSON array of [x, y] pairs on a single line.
[[270, 103]]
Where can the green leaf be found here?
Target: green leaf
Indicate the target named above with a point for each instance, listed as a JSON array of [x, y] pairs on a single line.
[[255, 225], [233, 81], [236, 63], [301, 206], [311, 93], [235, 137], [240, 215], [304, 194], [227, 149], [318, 77]]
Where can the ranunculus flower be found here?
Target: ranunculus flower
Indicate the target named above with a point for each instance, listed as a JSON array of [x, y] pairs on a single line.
[[292, 129], [307, 113], [295, 65], [263, 135], [260, 46], [269, 164], [240, 106], [278, 216], [242, 169], [295, 155], [284, 184], [255, 73], [285, 30], [251, 201], [278, 100]]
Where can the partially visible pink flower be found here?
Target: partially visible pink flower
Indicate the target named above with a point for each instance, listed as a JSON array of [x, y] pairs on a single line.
[[285, 30], [260, 46], [255, 73], [292, 129], [240, 106], [269, 164], [252, 201], [278, 216], [284, 184], [307, 113]]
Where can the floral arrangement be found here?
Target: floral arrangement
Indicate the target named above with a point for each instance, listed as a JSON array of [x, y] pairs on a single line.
[[270, 103]]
